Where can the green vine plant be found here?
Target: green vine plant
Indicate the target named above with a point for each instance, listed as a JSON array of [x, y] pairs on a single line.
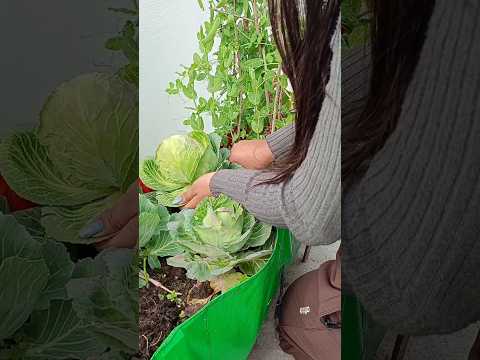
[[248, 94], [126, 42], [355, 23]]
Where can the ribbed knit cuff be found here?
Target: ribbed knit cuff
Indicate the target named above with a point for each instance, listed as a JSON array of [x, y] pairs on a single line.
[[281, 142], [233, 183]]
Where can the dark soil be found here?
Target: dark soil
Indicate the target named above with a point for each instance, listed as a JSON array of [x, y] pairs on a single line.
[[159, 315]]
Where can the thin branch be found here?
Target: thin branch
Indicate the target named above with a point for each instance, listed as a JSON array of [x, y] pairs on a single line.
[[235, 15], [159, 284], [277, 105], [262, 49], [238, 71]]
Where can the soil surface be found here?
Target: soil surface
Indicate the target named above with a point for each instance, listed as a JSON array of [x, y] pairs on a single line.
[[159, 315]]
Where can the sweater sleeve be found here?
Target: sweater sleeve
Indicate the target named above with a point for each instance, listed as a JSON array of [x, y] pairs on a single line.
[[410, 226], [281, 142], [309, 202]]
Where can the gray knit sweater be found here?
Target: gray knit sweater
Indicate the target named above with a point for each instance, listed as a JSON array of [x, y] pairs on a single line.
[[309, 203], [410, 227]]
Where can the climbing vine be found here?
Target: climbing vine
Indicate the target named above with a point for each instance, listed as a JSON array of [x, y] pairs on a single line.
[[126, 42], [248, 95], [354, 23]]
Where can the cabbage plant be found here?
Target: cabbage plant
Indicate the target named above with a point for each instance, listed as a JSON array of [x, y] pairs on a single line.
[[179, 161], [82, 156], [218, 236], [154, 237]]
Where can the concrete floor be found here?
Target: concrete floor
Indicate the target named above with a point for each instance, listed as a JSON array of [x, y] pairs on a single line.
[[267, 344]]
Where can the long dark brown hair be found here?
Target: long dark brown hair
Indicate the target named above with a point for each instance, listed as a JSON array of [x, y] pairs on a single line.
[[303, 30], [397, 33]]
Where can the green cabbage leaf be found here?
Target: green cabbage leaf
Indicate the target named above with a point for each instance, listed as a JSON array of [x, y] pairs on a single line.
[[218, 236], [179, 161], [81, 158]]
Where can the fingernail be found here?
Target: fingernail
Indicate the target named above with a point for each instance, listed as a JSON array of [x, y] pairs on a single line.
[[177, 201], [91, 230]]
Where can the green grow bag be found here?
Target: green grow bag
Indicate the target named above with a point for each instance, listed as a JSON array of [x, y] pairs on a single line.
[[228, 326]]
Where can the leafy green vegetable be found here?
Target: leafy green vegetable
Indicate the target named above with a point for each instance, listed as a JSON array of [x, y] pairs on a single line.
[[179, 161], [81, 158], [23, 275], [58, 333], [54, 309], [105, 295], [154, 237], [218, 236]]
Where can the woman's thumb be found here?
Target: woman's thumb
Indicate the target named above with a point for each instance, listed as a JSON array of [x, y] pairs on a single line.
[[115, 218]]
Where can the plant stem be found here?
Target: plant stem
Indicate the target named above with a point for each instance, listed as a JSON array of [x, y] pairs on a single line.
[[238, 74], [235, 15], [159, 284], [262, 49], [277, 105]]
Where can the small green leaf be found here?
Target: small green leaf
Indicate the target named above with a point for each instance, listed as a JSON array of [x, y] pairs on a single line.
[[189, 92], [153, 262], [114, 44]]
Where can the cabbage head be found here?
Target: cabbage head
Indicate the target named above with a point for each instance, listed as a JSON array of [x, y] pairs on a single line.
[[218, 236], [179, 161], [82, 156]]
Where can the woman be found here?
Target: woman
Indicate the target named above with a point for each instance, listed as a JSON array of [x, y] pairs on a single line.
[[410, 206], [291, 179]]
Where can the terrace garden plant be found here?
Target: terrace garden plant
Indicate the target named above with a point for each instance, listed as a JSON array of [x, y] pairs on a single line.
[[354, 23], [187, 257], [237, 60], [62, 299], [218, 245]]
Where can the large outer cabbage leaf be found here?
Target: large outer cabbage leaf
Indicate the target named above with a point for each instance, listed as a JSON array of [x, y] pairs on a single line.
[[23, 274], [154, 237], [53, 309], [104, 294], [179, 161], [58, 333], [29, 171], [218, 236], [90, 126], [81, 158]]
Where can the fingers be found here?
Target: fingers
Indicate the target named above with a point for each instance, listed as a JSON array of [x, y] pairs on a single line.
[[234, 153], [192, 204], [125, 208], [114, 218], [125, 238], [186, 197]]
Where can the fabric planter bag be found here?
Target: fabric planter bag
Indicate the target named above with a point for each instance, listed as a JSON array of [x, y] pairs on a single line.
[[227, 327]]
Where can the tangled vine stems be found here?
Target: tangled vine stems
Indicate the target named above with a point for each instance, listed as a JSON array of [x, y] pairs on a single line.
[[126, 42], [248, 95], [355, 22]]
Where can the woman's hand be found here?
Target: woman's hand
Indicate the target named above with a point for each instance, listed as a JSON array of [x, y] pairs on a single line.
[[252, 154], [116, 227], [199, 190]]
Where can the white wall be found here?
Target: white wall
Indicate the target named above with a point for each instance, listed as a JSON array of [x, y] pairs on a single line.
[[46, 43], [167, 39]]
